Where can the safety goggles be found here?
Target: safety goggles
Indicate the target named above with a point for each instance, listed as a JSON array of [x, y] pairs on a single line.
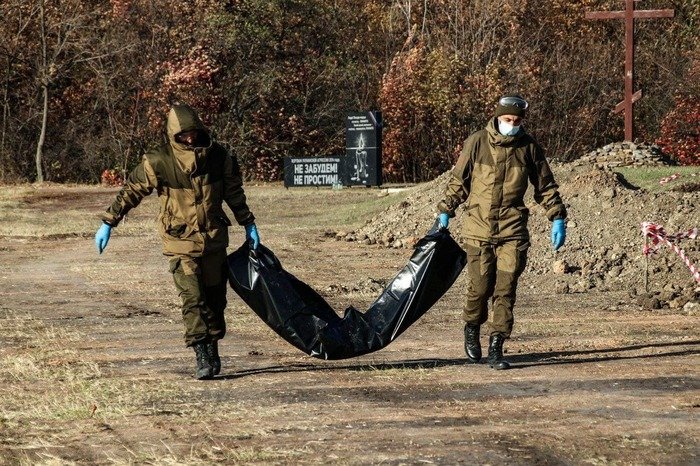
[[511, 101]]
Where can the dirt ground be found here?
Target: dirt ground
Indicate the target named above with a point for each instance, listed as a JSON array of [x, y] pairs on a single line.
[[94, 370]]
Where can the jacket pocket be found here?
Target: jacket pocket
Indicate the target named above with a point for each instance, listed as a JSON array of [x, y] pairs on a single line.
[[473, 248], [472, 209], [219, 221], [524, 212], [174, 264], [176, 231], [521, 257], [224, 220]]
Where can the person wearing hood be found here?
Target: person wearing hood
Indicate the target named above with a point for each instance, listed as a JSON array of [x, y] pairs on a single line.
[[193, 176], [491, 176]]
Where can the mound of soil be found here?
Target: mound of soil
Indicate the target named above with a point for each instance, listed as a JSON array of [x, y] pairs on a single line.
[[619, 154], [603, 248]]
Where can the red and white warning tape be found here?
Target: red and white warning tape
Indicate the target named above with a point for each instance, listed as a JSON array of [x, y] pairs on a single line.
[[675, 176], [658, 235], [668, 179]]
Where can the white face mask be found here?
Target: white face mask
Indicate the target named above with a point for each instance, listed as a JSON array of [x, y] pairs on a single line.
[[507, 129]]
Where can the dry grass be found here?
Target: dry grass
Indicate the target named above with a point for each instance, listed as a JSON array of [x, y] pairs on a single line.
[[50, 381], [49, 386], [130, 398], [395, 376], [205, 455], [649, 177], [27, 211], [316, 209], [60, 211]]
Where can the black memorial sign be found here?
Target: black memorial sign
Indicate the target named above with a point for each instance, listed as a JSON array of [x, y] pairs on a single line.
[[312, 171], [361, 165], [363, 149]]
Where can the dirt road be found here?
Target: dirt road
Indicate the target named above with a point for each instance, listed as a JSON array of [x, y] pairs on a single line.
[[94, 370]]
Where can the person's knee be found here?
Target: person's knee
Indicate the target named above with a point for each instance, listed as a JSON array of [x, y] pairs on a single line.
[[216, 297], [506, 283], [480, 286], [189, 289], [190, 294]]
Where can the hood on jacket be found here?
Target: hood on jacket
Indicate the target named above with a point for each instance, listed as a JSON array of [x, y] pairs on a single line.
[[495, 136], [183, 118]]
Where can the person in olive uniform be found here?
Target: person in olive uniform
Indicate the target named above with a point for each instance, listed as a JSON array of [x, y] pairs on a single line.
[[492, 176], [193, 176]]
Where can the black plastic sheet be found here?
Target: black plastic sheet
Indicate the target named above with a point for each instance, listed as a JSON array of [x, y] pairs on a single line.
[[303, 318]]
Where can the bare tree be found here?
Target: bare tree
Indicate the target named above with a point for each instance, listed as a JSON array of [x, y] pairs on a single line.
[[44, 83], [17, 18], [405, 7], [64, 38]]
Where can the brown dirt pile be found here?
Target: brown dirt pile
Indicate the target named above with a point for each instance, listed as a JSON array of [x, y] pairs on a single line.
[[603, 248]]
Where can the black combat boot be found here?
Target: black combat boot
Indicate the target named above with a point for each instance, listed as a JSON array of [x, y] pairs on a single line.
[[496, 353], [472, 346], [204, 366], [213, 350]]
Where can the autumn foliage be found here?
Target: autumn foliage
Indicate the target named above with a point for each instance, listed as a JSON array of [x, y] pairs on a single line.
[[275, 78], [680, 128], [680, 131], [111, 177]]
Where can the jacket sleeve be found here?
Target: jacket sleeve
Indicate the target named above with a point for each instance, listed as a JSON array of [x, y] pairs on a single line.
[[546, 189], [457, 190], [139, 184], [233, 192]]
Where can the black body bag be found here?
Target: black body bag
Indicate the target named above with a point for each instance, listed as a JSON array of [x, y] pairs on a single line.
[[302, 317]]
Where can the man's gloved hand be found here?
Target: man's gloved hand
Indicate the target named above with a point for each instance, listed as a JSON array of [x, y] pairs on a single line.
[[558, 233], [251, 234], [102, 237], [444, 220]]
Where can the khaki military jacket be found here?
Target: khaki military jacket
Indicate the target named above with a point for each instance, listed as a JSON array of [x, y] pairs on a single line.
[[492, 176], [192, 184]]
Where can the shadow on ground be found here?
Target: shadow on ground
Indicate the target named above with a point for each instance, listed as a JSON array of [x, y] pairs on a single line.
[[520, 361]]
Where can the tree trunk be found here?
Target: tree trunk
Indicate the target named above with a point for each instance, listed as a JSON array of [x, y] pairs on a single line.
[[45, 88], [42, 137], [5, 115]]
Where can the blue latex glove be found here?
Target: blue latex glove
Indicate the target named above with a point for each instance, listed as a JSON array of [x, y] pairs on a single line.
[[251, 234], [444, 220], [102, 237], [558, 233]]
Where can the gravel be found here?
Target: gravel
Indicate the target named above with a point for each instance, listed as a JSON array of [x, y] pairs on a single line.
[[603, 249]]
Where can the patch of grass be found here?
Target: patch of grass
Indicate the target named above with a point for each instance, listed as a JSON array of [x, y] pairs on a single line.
[[397, 374], [648, 177], [314, 208], [356, 213], [12, 193], [27, 211], [209, 454], [51, 381], [64, 211], [11, 206], [22, 222]]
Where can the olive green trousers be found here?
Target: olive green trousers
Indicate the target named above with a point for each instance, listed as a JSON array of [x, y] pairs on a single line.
[[201, 284], [493, 271]]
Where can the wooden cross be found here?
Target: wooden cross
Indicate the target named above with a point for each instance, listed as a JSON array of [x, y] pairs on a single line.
[[629, 16]]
